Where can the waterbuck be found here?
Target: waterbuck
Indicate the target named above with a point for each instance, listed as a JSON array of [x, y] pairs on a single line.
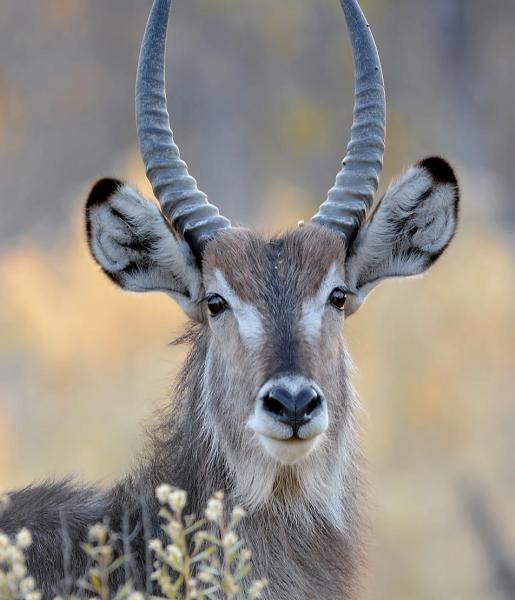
[[264, 408]]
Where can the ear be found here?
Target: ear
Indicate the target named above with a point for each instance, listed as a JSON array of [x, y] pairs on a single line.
[[136, 248], [409, 230]]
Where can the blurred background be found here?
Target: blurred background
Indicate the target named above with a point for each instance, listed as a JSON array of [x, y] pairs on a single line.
[[261, 94]]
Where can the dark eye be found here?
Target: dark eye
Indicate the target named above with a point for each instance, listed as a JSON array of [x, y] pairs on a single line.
[[338, 297], [216, 304]]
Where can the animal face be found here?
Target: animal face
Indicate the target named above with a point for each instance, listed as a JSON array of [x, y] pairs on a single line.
[[275, 310]]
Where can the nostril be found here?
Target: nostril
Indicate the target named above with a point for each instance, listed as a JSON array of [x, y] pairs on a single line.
[[307, 402], [313, 405], [273, 405], [294, 410]]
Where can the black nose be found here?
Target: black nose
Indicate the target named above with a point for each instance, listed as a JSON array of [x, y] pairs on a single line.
[[292, 409]]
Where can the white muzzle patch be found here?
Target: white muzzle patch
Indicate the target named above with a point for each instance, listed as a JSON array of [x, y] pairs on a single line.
[[277, 437]]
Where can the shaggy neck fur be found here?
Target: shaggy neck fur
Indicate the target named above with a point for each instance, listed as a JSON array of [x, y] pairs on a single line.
[[304, 516]]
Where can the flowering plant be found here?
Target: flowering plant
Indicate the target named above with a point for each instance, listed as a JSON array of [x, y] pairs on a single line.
[[194, 558]]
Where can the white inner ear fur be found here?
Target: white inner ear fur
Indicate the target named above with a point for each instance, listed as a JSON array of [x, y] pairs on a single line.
[[250, 323], [313, 308], [380, 250], [140, 236]]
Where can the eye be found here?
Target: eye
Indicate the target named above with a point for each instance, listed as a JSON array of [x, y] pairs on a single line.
[[338, 297], [216, 304]]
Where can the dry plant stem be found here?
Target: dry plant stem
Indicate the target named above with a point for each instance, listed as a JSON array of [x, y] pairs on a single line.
[[204, 559]]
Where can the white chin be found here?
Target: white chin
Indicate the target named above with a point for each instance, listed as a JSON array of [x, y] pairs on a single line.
[[288, 452]]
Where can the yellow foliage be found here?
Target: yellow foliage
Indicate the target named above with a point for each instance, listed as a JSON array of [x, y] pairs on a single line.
[[66, 312]]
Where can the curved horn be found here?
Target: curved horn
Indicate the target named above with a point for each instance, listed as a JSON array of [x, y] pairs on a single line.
[[352, 196], [187, 208]]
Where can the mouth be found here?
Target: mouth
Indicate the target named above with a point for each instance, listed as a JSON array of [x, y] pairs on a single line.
[[288, 451]]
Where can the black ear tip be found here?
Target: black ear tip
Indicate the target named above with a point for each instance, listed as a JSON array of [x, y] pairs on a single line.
[[441, 171], [102, 191]]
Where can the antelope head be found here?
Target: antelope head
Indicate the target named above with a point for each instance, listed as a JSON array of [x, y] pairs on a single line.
[[276, 392]]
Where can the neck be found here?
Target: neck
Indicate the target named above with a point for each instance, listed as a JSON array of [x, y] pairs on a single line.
[[290, 508], [179, 452]]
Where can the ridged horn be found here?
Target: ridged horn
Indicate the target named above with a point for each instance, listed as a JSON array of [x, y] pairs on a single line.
[[193, 218], [352, 195]]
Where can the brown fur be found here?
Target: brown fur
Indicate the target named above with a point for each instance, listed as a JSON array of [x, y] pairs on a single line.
[[301, 258]]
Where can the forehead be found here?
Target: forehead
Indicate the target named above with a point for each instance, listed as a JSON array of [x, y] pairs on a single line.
[[254, 267]]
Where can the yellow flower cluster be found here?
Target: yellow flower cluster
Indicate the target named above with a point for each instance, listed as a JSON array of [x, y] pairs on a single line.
[[206, 556], [15, 582]]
